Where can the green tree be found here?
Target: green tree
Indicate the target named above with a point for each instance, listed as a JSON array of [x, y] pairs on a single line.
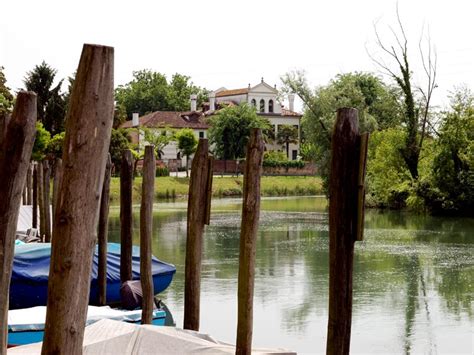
[[453, 166], [230, 128], [376, 102], [40, 146], [287, 134], [55, 146], [50, 102], [159, 138], [150, 91], [6, 98], [187, 143], [118, 143]]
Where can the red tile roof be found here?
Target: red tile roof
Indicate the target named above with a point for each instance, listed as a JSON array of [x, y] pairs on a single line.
[[286, 112], [172, 119], [232, 92]]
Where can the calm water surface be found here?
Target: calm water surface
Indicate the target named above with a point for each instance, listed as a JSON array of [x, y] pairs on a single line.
[[413, 277]]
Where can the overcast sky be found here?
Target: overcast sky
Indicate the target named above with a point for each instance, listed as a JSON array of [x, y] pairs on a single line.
[[232, 44]]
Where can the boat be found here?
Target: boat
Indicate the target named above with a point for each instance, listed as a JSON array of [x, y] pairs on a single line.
[[29, 282], [26, 326]]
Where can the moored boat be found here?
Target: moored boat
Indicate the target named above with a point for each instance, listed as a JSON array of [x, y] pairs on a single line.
[[29, 282]]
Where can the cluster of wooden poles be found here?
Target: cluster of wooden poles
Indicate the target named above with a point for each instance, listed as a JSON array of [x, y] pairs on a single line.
[[81, 208]]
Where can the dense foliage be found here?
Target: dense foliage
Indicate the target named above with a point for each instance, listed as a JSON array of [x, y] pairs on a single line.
[[6, 98], [230, 129], [150, 91], [187, 143]]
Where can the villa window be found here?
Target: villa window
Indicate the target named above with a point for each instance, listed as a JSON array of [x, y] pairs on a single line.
[[270, 106], [201, 134], [254, 103], [262, 105]]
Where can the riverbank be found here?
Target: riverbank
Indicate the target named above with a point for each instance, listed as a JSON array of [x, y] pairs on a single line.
[[177, 187]]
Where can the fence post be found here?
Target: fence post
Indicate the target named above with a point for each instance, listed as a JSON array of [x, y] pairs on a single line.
[[103, 233], [88, 129], [42, 219], [126, 222], [34, 222], [47, 208], [146, 230], [343, 226], [16, 145], [248, 236], [199, 200], [28, 184]]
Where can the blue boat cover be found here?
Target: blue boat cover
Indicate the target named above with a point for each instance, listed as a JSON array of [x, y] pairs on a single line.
[[30, 273]]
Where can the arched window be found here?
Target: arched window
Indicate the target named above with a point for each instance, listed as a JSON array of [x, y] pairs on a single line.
[[262, 105], [270, 106], [254, 103]]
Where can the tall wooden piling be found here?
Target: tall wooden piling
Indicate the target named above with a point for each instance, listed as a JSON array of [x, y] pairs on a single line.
[[42, 212], [16, 145], [146, 230], [199, 200], [46, 201], [29, 199], [88, 129], [126, 222], [343, 227], [248, 237], [58, 168], [34, 187], [103, 233]]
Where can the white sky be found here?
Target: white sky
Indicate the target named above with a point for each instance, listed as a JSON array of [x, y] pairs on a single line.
[[232, 44]]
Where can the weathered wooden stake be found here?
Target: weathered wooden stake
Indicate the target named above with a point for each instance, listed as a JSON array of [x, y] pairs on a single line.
[[58, 168], [146, 230], [343, 227], [248, 237], [41, 208], [24, 194], [16, 144], [88, 129], [126, 222], [46, 200], [103, 233], [34, 222], [29, 199], [198, 205]]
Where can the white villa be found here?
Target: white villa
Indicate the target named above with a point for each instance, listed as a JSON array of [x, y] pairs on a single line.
[[262, 96]]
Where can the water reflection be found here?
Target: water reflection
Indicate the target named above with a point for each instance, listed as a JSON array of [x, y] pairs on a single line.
[[413, 277]]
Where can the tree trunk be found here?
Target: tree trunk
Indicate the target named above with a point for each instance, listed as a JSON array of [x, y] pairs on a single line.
[[103, 233], [58, 168], [199, 200], [41, 208], [34, 222], [88, 128], [29, 199], [248, 237], [146, 230], [16, 145], [343, 213], [126, 223]]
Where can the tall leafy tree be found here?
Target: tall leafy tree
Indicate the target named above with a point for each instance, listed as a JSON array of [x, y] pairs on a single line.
[[187, 143], [50, 101], [286, 135], [376, 102], [150, 91], [6, 98], [230, 128]]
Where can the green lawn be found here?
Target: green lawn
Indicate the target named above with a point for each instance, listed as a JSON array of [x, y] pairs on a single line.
[[177, 187]]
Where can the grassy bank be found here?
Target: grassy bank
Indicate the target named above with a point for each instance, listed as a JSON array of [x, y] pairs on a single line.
[[177, 187]]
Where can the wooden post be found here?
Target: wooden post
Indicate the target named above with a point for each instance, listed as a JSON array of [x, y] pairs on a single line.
[[198, 202], [88, 128], [41, 209], [29, 199], [34, 222], [146, 230], [16, 144], [343, 227], [126, 222], [47, 208], [248, 237], [58, 168], [24, 194], [103, 233]]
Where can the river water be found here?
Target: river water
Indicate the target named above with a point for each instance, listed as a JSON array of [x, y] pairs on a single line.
[[413, 277]]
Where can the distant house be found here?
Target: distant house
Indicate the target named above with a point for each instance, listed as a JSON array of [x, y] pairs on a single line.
[[262, 96]]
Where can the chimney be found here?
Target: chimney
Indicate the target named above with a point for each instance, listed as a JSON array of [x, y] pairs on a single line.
[[193, 98], [291, 102], [135, 120], [212, 101]]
